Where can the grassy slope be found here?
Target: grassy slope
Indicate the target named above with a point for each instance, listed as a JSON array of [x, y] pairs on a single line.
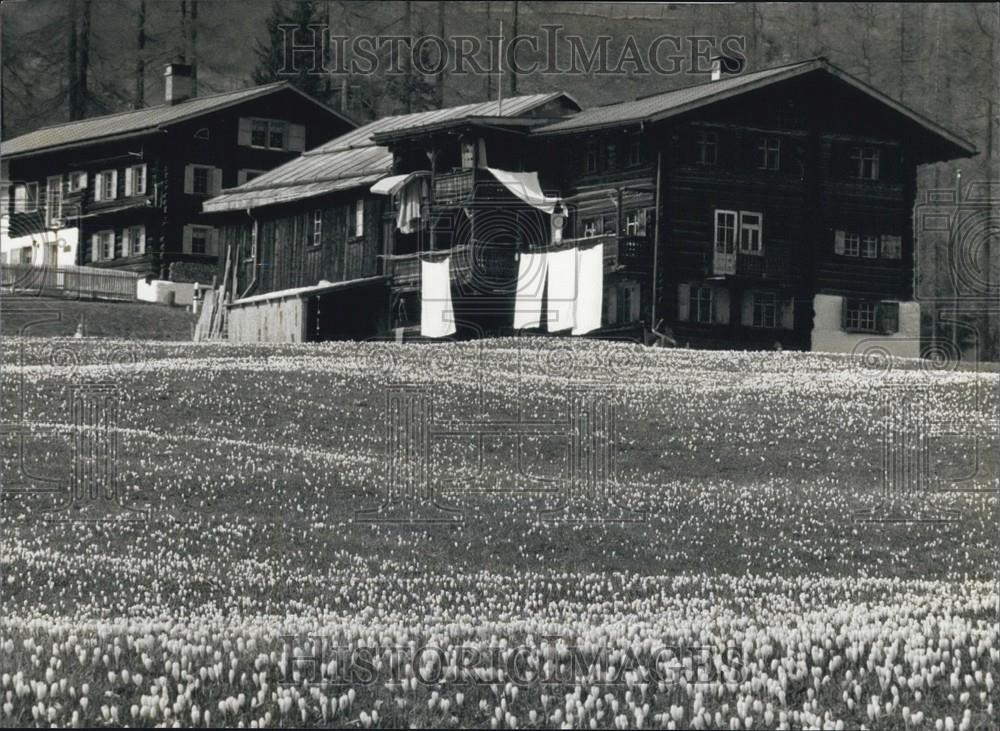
[[53, 317]]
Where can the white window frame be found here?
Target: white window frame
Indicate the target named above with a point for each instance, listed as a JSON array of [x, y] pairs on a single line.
[[131, 189], [701, 301], [129, 239], [317, 231], [103, 179], [852, 243], [53, 208], [726, 244], [869, 246], [857, 321], [359, 218], [747, 228], [77, 181], [635, 222], [207, 169], [195, 229], [592, 226], [105, 254], [26, 198], [767, 147]]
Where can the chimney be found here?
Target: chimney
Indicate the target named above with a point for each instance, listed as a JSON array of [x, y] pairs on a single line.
[[726, 66], [178, 82]]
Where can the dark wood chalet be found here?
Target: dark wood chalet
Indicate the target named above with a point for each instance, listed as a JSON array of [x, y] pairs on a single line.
[[764, 209], [126, 190]]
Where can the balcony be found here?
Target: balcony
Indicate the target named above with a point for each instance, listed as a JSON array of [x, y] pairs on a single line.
[[632, 253], [454, 188]]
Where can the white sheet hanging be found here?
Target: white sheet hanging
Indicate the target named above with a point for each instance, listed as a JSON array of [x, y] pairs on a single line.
[[531, 273], [590, 289], [526, 187], [562, 289], [437, 317]]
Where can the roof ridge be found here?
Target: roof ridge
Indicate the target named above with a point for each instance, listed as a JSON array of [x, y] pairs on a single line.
[[124, 112], [703, 83]]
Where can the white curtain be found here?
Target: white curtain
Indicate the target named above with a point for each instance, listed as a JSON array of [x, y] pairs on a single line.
[[590, 289], [437, 317], [531, 272], [562, 289]]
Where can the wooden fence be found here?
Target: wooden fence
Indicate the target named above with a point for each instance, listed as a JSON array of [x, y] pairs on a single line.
[[70, 281]]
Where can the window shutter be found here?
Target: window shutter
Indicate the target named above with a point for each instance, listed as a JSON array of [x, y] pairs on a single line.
[[788, 314], [188, 179], [187, 240], [746, 314], [20, 198], [243, 136], [139, 185], [838, 243], [296, 137], [683, 302], [114, 184], [129, 181], [359, 218], [216, 181], [126, 241], [142, 239], [720, 305], [844, 305], [83, 180], [241, 177], [610, 305], [888, 317], [94, 253], [98, 187]]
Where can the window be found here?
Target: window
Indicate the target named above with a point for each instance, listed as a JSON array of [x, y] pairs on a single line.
[[708, 147], [106, 188], [701, 304], [201, 180], [750, 233], [468, 154], [593, 227], [246, 175], [53, 200], [591, 157], [134, 241], [634, 150], [859, 316], [864, 163], [725, 231], [26, 198], [317, 232], [638, 222], [765, 309], [258, 132], [135, 180], [77, 181], [628, 302], [104, 245], [359, 218], [852, 244], [770, 153], [200, 236], [892, 247], [24, 255], [611, 152], [869, 247], [268, 133]]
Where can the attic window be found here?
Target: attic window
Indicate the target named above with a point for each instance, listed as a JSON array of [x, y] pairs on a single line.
[[202, 134], [864, 163], [708, 147]]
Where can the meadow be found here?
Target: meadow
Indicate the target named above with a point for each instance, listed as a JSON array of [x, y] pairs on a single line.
[[741, 568]]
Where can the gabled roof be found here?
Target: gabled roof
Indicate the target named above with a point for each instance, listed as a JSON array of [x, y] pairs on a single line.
[[140, 121], [353, 159], [671, 103]]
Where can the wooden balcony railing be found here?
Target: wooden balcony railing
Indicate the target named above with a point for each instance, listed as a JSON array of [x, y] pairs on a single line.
[[455, 187]]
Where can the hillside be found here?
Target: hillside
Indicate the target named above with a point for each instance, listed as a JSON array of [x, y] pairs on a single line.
[[56, 317]]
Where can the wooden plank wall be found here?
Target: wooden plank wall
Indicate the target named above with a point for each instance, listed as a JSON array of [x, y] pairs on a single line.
[[271, 321]]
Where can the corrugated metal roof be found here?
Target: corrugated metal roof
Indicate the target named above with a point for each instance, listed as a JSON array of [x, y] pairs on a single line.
[[353, 158], [134, 122], [643, 109]]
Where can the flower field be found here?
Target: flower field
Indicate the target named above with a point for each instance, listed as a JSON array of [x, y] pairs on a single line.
[[264, 558]]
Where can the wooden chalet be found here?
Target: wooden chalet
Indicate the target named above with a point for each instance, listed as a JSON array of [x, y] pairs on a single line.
[[125, 190], [762, 209]]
